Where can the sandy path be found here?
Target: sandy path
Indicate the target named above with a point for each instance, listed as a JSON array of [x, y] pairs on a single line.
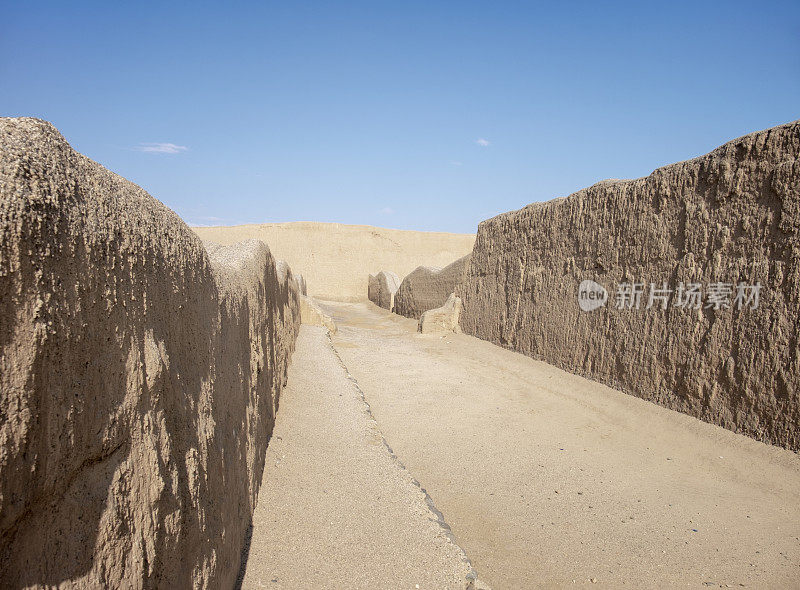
[[335, 509], [547, 478]]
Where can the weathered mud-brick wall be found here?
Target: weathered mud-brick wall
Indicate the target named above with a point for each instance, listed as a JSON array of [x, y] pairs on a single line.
[[731, 216], [382, 288], [138, 378], [428, 288]]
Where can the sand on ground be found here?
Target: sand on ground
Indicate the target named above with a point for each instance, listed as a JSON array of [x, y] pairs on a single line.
[[336, 259], [336, 509], [548, 479]]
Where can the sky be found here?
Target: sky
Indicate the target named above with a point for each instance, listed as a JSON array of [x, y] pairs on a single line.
[[425, 115]]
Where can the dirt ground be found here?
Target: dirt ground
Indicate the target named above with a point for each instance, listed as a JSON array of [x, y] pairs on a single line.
[[549, 480], [336, 509]]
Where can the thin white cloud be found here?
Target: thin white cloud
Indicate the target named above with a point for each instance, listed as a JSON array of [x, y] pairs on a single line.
[[483, 142], [387, 211], [160, 148], [457, 163], [204, 221]]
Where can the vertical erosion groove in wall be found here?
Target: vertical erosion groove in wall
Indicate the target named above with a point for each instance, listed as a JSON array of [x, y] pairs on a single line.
[[730, 216], [139, 378]]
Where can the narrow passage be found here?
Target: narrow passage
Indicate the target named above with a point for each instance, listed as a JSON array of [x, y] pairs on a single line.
[[336, 509]]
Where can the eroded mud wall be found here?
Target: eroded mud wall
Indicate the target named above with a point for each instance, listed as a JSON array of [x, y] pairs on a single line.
[[138, 378], [731, 216], [382, 287], [414, 296], [428, 288]]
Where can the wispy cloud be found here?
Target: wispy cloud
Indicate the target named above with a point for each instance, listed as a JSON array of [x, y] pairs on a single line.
[[205, 221], [483, 142], [456, 163], [160, 148], [387, 211]]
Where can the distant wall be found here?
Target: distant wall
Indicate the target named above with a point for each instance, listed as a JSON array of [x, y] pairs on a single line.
[[382, 287], [428, 288], [139, 378], [730, 216], [336, 260]]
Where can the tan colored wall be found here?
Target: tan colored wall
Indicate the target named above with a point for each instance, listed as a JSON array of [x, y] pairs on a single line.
[[139, 378], [428, 288], [730, 216], [382, 287], [312, 314], [336, 260]]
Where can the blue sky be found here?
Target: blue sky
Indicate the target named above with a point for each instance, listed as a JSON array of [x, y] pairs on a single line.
[[415, 115]]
